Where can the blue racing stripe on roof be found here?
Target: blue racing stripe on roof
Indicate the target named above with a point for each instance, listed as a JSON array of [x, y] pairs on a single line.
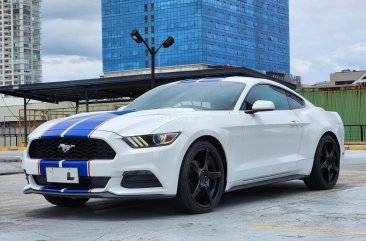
[[187, 81], [209, 79], [216, 79]]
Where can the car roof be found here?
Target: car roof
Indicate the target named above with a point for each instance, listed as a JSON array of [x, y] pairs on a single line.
[[238, 79], [250, 81]]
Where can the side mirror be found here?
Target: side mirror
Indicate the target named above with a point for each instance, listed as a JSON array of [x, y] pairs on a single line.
[[261, 105]]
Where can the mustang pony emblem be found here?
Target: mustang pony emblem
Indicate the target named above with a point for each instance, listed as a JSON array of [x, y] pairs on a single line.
[[65, 148]]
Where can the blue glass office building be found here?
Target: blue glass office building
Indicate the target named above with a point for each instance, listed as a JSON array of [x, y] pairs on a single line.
[[249, 33]]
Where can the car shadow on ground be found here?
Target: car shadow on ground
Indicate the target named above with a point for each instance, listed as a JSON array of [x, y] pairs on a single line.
[[128, 210]]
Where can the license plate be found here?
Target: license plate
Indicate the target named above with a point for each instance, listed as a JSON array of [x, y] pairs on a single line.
[[62, 175]]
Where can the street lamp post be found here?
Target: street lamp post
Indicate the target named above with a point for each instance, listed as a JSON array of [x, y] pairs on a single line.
[[169, 41]]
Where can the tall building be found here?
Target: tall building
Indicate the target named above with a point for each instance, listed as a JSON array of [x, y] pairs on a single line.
[[245, 33], [20, 42]]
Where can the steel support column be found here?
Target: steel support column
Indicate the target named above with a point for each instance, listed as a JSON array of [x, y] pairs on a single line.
[[25, 120], [77, 110], [87, 101]]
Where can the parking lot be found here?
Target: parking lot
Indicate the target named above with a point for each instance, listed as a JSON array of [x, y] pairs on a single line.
[[285, 211]]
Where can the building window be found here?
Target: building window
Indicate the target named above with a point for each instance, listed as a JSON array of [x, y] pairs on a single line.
[[152, 29], [152, 18], [145, 7], [152, 6], [146, 30]]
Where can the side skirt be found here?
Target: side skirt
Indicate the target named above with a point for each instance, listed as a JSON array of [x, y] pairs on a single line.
[[265, 182]]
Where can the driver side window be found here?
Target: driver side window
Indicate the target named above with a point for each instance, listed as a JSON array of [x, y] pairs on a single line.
[[266, 92]]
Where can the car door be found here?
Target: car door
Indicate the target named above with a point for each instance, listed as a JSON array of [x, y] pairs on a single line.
[[271, 138]]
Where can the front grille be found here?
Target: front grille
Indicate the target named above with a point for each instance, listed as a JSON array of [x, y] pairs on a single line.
[[84, 182], [81, 149]]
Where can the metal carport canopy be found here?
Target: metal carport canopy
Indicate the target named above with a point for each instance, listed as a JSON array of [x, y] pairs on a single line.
[[112, 88], [117, 87]]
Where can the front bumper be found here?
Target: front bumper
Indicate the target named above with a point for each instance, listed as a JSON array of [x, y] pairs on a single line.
[[163, 162], [96, 195]]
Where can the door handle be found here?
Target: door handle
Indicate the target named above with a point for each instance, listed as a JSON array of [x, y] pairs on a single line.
[[294, 123]]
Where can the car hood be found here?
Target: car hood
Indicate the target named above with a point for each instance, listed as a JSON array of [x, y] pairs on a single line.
[[123, 123], [143, 122]]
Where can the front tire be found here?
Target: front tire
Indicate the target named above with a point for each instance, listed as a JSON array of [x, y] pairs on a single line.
[[201, 180], [66, 202], [325, 172]]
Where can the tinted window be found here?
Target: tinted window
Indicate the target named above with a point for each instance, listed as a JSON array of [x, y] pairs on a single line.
[[191, 94], [295, 102], [266, 92]]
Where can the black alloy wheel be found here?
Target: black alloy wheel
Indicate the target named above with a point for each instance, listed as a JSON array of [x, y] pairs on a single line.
[[329, 165], [326, 167], [201, 180]]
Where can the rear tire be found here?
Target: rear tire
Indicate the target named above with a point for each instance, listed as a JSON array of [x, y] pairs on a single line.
[[201, 180], [326, 167], [66, 202]]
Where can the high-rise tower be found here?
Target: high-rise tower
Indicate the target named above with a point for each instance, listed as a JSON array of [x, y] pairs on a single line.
[[248, 33], [20, 42]]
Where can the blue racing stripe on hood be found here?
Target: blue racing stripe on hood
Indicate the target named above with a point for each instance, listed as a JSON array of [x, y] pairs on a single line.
[[60, 127], [81, 126], [85, 128]]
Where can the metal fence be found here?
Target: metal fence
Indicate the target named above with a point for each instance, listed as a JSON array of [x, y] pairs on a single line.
[[9, 139], [355, 133]]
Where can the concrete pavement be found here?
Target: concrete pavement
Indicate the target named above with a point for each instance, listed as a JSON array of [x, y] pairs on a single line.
[[284, 211], [10, 156], [9, 168], [10, 162]]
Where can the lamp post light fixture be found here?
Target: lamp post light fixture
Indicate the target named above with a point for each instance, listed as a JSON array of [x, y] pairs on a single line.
[[169, 41]]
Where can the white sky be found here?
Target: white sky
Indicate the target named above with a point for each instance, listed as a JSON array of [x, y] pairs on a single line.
[[326, 36]]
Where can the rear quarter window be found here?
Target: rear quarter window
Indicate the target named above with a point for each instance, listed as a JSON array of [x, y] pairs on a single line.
[[295, 102]]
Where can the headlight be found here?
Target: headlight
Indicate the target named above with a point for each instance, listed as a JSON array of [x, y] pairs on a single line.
[[151, 140]]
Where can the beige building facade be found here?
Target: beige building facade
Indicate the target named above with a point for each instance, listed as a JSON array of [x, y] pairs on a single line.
[[348, 77]]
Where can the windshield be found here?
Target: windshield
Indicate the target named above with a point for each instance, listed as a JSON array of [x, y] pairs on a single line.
[[197, 95]]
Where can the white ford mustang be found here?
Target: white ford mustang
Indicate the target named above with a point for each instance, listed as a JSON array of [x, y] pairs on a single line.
[[192, 140]]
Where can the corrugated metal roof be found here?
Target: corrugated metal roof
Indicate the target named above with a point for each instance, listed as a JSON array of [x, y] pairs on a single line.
[[117, 87]]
